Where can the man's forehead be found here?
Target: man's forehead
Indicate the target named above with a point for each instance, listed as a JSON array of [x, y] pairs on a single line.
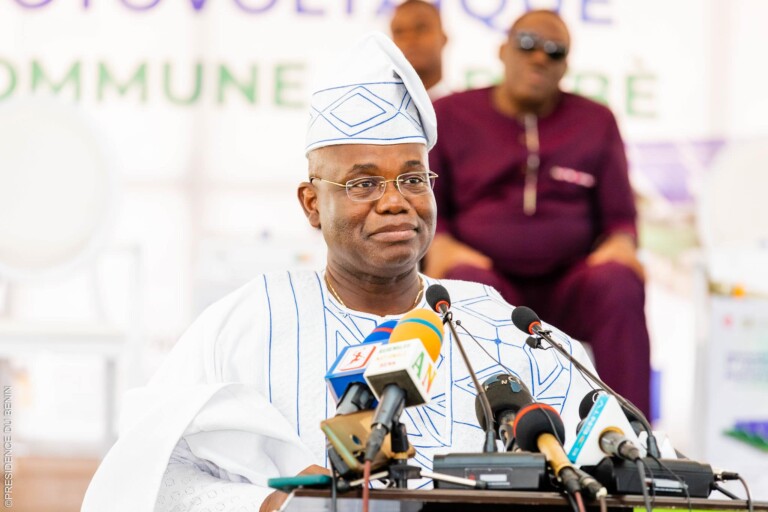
[[348, 158], [543, 23], [415, 10]]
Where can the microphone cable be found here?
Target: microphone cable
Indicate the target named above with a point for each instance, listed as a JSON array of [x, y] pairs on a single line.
[[505, 368], [603, 503], [334, 482], [572, 502], [746, 489], [643, 487], [653, 485], [723, 490], [510, 436], [366, 484], [730, 475], [579, 501], [551, 424], [683, 485]]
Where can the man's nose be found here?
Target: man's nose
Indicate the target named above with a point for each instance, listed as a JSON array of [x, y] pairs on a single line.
[[392, 197], [539, 56]]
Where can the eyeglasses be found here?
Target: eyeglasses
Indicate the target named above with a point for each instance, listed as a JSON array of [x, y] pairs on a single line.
[[528, 42], [371, 188]]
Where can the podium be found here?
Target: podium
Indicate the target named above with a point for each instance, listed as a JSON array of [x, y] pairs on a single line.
[[454, 500]]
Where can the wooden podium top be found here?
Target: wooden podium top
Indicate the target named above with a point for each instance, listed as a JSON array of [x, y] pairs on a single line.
[[432, 500]]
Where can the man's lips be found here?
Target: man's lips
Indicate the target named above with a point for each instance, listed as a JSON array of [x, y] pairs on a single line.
[[395, 233], [536, 75]]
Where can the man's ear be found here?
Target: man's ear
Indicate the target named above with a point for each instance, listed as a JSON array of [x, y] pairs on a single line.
[[503, 49], [308, 199]]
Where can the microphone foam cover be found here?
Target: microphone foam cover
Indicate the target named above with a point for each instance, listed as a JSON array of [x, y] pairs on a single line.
[[505, 393], [381, 333], [587, 402], [435, 294], [420, 324], [535, 420], [523, 317]]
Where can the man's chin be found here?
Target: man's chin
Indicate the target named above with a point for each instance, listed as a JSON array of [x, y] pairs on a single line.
[[394, 262]]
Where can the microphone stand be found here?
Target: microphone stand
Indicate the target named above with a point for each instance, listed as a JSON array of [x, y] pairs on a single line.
[[490, 435], [400, 472], [535, 342]]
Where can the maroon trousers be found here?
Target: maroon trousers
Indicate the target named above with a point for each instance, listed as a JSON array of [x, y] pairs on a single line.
[[602, 305]]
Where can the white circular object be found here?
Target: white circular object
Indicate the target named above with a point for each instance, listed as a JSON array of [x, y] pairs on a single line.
[[55, 189]]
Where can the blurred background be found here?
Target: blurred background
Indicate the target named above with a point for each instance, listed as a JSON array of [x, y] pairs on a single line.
[[150, 152]]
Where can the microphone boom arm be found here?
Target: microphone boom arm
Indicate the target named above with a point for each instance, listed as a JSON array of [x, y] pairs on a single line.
[[653, 447], [490, 433]]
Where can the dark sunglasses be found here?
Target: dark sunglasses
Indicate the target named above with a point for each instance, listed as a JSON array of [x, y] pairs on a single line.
[[528, 42]]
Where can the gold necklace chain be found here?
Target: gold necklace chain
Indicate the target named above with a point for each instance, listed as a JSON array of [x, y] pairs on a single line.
[[336, 295]]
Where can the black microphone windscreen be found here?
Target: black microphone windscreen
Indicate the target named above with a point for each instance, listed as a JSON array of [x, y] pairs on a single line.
[[505, 393], [587, 402], [523, 317], [435, 294], [533, 342], [535, 420]]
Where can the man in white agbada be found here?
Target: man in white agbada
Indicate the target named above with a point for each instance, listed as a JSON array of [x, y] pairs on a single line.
[[241, 396]]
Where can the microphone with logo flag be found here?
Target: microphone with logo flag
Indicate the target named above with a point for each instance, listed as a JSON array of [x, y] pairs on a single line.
[[401, 373], [354, 402], [345, 378], [604, 431]]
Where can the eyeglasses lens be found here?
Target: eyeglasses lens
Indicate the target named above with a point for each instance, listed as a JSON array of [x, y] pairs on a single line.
[[530, 42]]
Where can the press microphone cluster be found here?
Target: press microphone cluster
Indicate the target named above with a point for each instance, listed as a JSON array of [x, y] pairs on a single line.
[[501, 401], [528, 321], [396, 365]]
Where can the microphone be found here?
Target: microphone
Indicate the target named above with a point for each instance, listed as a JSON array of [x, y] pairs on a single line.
[[589, 400], [402, 372], [615, 443], [539, 428], [438, 298], [345, 377], [440, 301], [507, 394], [601, 431], [528, 321]]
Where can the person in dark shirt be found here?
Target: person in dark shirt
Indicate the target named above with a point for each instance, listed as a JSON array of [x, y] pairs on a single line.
[[417, 30], [534, 199]]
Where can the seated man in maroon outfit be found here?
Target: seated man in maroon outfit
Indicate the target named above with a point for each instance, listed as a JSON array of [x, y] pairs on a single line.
[[534, 199]]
